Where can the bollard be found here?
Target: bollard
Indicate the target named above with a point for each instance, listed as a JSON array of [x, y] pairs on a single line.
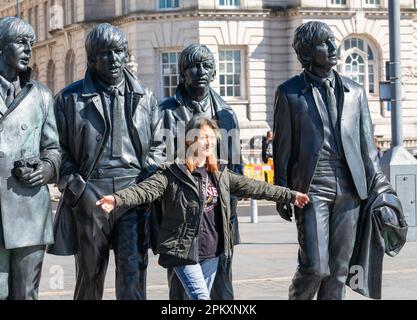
[[254, 207]]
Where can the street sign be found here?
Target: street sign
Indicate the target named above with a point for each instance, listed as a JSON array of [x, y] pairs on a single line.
[[384, 91]]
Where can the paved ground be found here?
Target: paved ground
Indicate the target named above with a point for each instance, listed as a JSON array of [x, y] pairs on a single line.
[[263, 265]]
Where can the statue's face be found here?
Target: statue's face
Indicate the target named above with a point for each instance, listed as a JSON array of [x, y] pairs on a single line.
[[199, 75], [325, 53], [17, 53], [109, 64]]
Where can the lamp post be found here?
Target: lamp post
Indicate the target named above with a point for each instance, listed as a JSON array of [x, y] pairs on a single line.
[[395, 73], [17, 9], [398, 164]]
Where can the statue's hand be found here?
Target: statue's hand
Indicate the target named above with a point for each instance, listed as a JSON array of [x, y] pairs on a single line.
[[40, 176], [285, 211]]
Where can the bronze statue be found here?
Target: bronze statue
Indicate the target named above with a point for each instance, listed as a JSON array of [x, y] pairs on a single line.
[[29, 159], [108, 126], [323, 145]]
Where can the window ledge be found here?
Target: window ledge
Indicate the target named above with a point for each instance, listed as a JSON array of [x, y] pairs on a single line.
[[235, 101], [168, 9], [373, 97]]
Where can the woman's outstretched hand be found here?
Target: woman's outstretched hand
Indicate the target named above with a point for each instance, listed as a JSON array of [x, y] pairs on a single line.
[[301, 199], [107, 203]]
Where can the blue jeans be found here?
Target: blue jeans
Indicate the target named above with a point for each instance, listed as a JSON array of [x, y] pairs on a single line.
[[198, 279]]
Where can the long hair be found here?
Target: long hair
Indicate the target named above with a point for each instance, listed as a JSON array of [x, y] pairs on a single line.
[[191, 129]]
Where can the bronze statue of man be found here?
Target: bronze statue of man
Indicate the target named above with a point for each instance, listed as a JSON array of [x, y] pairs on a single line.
[[323, 145], [197, 69], [108, 126], [29, 159]]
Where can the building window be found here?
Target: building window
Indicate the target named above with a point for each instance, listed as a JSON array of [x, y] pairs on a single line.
[[357, 62], [229, 3], [355, 68], [36, 18], [373, 2], [30, 16], [338, 2], [73, 11], [50, 76], [230, 73], [64, 12], [46, 19], [125, 6], [170, 76], [57, 16], [35, 72], [70, 67], [169, 4]]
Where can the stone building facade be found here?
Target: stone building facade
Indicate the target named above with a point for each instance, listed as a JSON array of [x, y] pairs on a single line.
[[251, 40]]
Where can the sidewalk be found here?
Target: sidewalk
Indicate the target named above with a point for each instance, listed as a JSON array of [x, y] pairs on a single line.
[[263, 266]]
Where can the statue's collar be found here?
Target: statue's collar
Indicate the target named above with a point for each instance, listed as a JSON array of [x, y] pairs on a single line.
[[307, 85], [319, 81], [133, 84]]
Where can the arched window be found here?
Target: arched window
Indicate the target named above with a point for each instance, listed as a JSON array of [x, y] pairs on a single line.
[[35, 72], [69, 67], [355, 68], [357, 61], [50, 76]]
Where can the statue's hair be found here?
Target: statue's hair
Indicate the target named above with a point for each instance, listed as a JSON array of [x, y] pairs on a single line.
[[306, 37], [12, 28], [104, 36], [192, 54]]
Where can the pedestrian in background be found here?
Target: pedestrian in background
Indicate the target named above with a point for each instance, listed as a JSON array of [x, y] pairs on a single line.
[[378, 148], [267, 147]]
